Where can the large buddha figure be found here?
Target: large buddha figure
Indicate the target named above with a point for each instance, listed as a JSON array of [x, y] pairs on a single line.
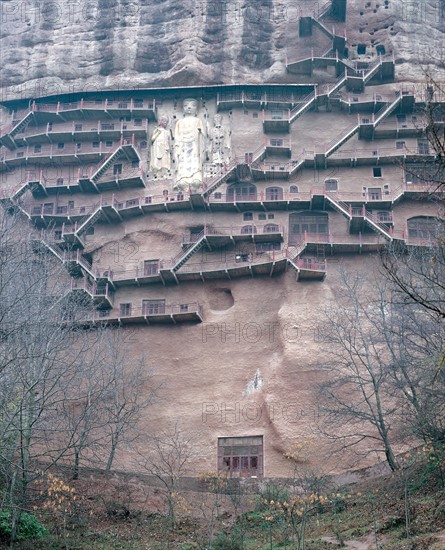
[[189, 148]]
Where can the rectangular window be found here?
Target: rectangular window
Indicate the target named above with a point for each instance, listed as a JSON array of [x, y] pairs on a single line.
[[109, 144], [375, 193], [59, 181], [331, 185], [261, 216], [78, 127], [275, 142], [60, 146], [48, 208], [95, 145], [277, 115], [151, 267], [423, 147], [138, 103], [125, 310], [138, 121], [384, 217], [117, 169], [241, 456], [400, 145], [248, 216], [37, 148], [62, 210], [377, 172], [153, 307], [107, 126]]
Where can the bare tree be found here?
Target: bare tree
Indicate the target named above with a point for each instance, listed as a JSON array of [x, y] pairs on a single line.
[[36, 358], [354, 400], [132, 388], [384, 354], [170, 457]]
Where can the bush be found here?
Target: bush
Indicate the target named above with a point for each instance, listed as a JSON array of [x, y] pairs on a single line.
[[29, 527], [227, 541], [271, 491]]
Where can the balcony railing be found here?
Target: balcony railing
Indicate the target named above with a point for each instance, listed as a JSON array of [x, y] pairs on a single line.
[[166, 310]]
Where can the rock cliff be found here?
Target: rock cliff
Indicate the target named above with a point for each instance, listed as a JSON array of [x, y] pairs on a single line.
[[60, 46]]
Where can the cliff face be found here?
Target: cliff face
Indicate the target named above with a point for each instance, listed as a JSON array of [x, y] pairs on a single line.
[[56, 47]]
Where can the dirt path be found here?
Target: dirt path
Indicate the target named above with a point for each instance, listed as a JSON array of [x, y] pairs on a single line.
[[365, 543]]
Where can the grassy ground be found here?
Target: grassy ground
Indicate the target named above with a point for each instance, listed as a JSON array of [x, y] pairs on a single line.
[[392, 513]]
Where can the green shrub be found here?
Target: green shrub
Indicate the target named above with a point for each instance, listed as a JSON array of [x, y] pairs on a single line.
[[29, 526], [227, 541]]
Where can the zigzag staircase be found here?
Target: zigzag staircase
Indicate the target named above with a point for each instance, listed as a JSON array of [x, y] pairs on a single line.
[[106, 164], [381, 228], [89, 220], [373, 71], [185, 255], [54, 248], [339, 206], [345, 137], [8, 138], [387, 110], [218, 180], [323, 28], [299, 110]]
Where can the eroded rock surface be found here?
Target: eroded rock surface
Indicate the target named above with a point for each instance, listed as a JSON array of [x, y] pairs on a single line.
[[58, 47]]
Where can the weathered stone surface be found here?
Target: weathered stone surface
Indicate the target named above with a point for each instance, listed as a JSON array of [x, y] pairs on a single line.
[[62, 46]]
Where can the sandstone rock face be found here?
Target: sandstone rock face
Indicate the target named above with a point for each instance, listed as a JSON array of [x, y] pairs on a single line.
[[58, 47]]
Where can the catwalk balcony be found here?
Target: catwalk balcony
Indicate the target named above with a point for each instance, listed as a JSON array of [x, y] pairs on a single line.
[[102, 296], [46, 215], [273, 170], [116, 177], [271, 97], [151, 203], [165, 313], [140, 275], [245, 98], [222, 236], [278, 146], [94, 131], [340, 244], [235, 265], [366, 157], [274, 199], [276, 121], [311, 269], [89, 109], [62, 153]]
